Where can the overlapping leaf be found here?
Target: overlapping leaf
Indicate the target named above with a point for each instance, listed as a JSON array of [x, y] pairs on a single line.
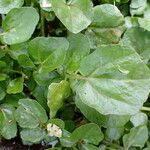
[[114, 81], [76, 15], [30, 114], [107, 26], [19, 25], [49, 53], [8, 127], [7, 5]]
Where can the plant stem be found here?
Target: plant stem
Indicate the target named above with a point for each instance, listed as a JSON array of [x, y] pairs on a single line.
[[145, 109], [42, 22]]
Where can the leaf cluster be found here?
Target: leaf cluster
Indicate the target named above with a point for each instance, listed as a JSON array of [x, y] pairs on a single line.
[[74, 74]]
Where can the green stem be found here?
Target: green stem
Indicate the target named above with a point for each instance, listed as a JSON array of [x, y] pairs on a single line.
[[145, 109], [42, 22]]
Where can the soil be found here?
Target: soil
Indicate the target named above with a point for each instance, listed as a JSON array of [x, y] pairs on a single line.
[[15, 144]]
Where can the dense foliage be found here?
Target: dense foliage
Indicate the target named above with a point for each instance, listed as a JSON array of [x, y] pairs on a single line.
[[74, 74]]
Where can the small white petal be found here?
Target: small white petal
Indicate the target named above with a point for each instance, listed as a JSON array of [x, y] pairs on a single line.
[[54, 130], [45, 3]]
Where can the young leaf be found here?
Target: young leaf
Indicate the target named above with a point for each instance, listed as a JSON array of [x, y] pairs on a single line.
[[107, 26], [137, 7], [137, 137], [144, 23], [35, 135], [114, 81], [48, 52], [8, 127], [19, 25], [57, 92], [107, 15], [135, 34], [19, 52], [3, 76], [15, 86], [139, 119], [30, 114], [89, 133], [7, 5], [114, 133], [79, 47], [76, 15]]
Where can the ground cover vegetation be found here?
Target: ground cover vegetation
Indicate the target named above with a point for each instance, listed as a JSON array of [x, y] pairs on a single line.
[[74, 74]]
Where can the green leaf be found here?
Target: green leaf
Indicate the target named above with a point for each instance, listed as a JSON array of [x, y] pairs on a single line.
[[45, 78], [110, 121], [57, 92], [7, 5], [147, 12], [48, 52], [117, 68], [60, 123], [98, 36], [3, 76], [89, 133], [107, 26], [133, 35], [139, 119], [19, 25], [65, 140], [76, 15], [114, 133], [8, 127], [13, 99], [79, 47], [106, 16], [35, 135], [15, 86], [137, 7], [39, 94], [19, 52], [2, 93], [137, 137], [2, 65], [89, 147], [144, 23], [30, 114]]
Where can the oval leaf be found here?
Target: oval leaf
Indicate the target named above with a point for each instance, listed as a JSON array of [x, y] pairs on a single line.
[[48, 52], [19, 25], [32, 135], [137, 137], [89, 133], [57, 92], [117, 68], [15, 86], [76, 15], [7, 5], [30, 114], [8, 127]]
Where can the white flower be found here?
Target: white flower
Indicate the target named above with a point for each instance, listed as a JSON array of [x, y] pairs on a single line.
[[45, 3], [54, 130]]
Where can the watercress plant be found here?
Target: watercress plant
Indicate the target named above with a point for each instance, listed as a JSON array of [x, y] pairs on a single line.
[[74, 74]]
